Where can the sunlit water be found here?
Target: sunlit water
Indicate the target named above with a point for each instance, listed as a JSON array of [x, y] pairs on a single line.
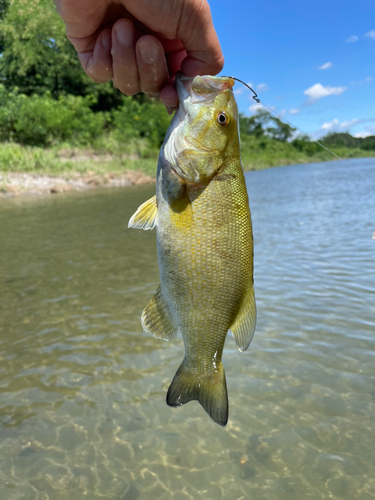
[[82, 388]]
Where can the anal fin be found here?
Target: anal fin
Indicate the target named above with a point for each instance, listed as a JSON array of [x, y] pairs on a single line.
[[157, 319], [146, 215], [243, 326]]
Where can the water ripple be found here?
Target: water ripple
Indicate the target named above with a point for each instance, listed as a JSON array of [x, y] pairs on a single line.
[[82, 407]]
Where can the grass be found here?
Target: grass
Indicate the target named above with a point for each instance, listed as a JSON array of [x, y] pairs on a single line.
[[106, 154], [102, 156]]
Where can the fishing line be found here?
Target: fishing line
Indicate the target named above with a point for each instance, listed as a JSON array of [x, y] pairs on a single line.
[[256, 98]]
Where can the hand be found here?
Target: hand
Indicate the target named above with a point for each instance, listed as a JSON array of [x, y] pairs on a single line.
[[141, 44]]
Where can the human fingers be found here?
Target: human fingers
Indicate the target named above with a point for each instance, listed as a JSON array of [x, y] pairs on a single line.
[[198, 35], [168, 96], [97, 61], [125, 71], [190, 22], [152, 66]]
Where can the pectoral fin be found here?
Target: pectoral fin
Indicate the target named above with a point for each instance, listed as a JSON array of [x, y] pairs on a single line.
[[146, 215], [244, 325], [157, 319]]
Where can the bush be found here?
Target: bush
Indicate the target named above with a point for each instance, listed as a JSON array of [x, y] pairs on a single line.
[[148, 120], [368, 143], [340, 139], [41, 120], [305, 146]]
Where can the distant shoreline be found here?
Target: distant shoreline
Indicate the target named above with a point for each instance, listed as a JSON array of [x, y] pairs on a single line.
[[13, 184]]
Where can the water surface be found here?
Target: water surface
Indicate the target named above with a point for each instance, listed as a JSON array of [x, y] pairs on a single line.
[[82, 388]]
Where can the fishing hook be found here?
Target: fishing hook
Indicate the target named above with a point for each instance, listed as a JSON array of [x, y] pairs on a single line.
[[255, 96]]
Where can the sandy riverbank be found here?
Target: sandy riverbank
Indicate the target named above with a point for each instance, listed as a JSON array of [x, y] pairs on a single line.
[[16, 184]]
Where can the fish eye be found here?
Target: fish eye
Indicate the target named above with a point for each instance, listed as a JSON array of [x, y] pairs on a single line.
[[222, 118]]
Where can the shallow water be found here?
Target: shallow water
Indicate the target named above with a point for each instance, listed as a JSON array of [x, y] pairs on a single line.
[[82, 388]]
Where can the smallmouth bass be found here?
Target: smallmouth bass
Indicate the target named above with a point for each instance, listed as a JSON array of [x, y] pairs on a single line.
[[204, 241]]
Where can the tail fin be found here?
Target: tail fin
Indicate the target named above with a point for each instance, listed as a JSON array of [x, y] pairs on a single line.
[[209, 389]]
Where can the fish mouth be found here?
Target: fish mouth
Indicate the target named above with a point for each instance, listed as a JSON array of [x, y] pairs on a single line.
[[200, 88]]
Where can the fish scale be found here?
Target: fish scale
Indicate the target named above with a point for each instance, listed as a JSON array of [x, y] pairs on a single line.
[[204, 242]]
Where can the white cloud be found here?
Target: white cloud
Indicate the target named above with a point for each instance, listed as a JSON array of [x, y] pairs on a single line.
[[370, 34], [368, 79], [336, 126], [330, 125], [369, 130], [317, 91], [293, 111], [348, 123], [352, 39], [262, 87], [240, 90], [254, 108], [362, 134], [326, 65]]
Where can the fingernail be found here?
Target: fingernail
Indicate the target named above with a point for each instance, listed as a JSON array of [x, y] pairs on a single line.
[[124, 36], [170, 103], [149, 52], [106, 40]]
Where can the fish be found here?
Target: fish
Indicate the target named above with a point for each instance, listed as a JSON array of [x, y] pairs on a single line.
[[204, 241]]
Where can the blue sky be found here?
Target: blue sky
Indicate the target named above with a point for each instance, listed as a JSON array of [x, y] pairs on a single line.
[[314, 62]]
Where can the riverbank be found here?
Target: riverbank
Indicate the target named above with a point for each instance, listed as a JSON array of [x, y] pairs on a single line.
[[35, 170], [16, 184], [108, 163]]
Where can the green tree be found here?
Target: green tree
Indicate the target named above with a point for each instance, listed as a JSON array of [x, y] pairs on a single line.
[[255, 124], [340, 139], [368, 143], [37, 57], [3, 8], [281, 131]]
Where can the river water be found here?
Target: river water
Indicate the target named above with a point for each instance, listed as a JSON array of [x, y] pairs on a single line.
[[82, 388]]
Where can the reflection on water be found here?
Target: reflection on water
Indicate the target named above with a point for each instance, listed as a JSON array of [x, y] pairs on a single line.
[[82, 388]]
